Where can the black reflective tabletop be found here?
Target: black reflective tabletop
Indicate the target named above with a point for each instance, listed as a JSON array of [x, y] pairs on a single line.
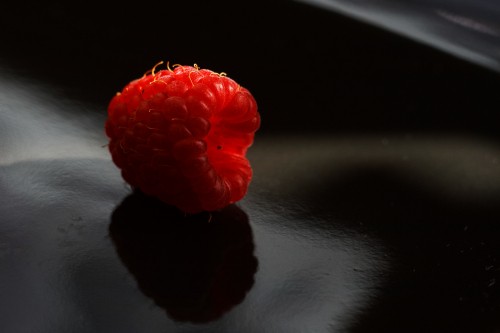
[[375, 202]]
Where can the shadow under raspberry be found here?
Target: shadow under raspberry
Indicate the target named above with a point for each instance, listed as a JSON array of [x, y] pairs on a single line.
[[196, 267]]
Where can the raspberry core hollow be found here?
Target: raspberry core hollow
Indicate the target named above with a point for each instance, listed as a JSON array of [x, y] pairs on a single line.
[[182, 134]]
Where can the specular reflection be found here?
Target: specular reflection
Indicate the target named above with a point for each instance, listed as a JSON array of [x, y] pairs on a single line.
[[467, 28], [431, 205], [196, 267]]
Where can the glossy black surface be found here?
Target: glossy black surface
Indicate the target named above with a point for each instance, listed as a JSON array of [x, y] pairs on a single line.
[[468, 29], [195, 267], [374, 205]]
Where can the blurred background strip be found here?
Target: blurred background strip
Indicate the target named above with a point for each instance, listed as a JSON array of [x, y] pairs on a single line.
[[469, 29]]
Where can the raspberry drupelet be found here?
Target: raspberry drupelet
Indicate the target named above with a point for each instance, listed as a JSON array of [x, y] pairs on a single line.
[[181, 135]]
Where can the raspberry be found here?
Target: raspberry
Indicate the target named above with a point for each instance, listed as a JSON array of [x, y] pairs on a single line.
[[182, 135]]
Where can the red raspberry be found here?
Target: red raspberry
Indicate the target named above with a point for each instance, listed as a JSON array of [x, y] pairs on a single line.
[[181, 135]]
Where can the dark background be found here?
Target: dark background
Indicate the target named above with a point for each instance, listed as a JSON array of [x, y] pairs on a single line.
[[302, 63], [312, 72]]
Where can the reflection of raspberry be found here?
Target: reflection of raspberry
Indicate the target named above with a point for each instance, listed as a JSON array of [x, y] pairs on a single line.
[[195, 270], [181, 135]]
